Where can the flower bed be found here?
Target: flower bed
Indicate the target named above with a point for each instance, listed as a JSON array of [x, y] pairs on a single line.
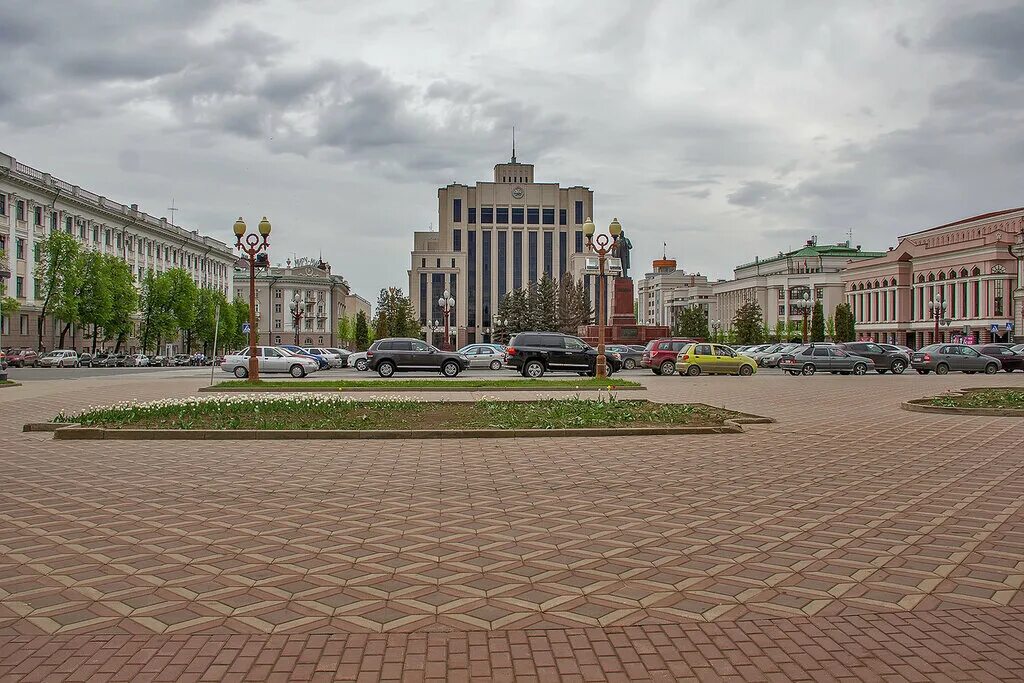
[[982, 398], [561, 384]]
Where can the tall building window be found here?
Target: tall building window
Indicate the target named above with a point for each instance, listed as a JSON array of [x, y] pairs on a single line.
[[549, 216], [485, 245], [19, 210], [471, 214], [563, 254], [471, 282], [456, 210], [549, 238], [486, 214], [19, 248], [562, 217], [37, 215], [533, 257], [977, 299], [68, 228], [19, 287], [423, 299], [3, 205], [579, 213], [436, 292], [95, 233], [533, 216], [457, 240], [53, 220], [517, 260], [997, 301], [517, 215], [579, 242], [502, 264], [502, 218]]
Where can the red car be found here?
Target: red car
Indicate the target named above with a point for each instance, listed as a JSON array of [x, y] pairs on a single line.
[[19, 358], [660, 354]]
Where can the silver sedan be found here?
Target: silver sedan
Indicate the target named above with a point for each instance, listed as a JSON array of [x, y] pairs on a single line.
[[483, 356]]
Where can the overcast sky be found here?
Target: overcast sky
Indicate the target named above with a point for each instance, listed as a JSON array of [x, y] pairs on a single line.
[[726, 129]]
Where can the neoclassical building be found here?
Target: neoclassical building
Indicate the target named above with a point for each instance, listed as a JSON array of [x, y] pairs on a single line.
[[33, 204], [665, 291], [493, 237], [973, 265]]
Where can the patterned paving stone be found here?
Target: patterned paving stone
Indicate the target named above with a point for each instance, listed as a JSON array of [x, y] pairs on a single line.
[[667, 557]]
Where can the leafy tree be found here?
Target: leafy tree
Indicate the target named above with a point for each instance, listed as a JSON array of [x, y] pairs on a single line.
[[794, 330], [205, 317], [395, 315], [8, 304], [157, 316], [182, 292], [58, 275], [346, 330], [747, 323], [234, 338], [830, 328], [692, 322], [780, 331], [818, 323], [362, 331], [845, 329], [124, 298], [545, 315], [95, 296]]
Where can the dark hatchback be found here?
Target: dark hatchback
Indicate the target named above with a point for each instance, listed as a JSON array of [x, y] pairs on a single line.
[[1011, 360], [534, 353], [885, 361], [388, 356]]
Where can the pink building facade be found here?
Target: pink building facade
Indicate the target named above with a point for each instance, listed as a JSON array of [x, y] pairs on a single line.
[[974, 266]]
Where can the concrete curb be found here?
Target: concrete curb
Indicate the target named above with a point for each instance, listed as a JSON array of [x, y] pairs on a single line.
[[47, 426], [10, 384], [75, 432], [922, 405], [385, 390]]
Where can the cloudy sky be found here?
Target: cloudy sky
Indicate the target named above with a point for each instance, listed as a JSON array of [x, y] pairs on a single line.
[[727, 129]]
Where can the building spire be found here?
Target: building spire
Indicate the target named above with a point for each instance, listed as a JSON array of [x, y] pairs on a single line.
[[513, 144]]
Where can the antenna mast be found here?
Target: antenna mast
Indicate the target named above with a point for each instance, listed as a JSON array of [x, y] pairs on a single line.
[[172, 210]]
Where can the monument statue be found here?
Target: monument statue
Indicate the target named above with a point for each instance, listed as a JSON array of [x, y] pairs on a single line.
[[622, 248]]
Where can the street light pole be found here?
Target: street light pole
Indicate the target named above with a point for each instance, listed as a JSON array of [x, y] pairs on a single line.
[[298, 307], [253, 247], [804, 306], [716, 325], [602, 245], [937, 307], [447, 302]]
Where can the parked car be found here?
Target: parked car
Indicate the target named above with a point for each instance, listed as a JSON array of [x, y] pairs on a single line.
[[333, 359], [484, 355], [61, 358], [136, 360], [885, 361], [807, 359], [359, 361], [114, 360], [1017, 348], [322, 363], [19, 358], [713, 359], [400, 354], [771, 360], [630, 355], [943, 358], [660, 354], [534, 353], [897, 347], [271, 359], [343, 354], [1010, 360]]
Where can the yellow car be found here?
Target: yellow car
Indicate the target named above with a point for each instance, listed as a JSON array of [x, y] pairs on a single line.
[[714, 359]]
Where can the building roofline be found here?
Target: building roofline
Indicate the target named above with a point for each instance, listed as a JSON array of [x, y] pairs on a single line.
[[962, 221]]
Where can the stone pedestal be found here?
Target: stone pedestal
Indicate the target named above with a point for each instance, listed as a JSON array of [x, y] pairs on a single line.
[[623, 328], [622, 302]]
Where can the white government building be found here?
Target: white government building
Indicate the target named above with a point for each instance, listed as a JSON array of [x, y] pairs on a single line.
[[34, 203]]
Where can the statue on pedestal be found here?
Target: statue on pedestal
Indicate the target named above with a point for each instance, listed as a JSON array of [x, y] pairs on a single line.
[[621, 249]]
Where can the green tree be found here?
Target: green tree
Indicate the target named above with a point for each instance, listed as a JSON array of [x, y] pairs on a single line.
[[395, 315], [58, 274], [830, 328], [546, 314], [780, 331], [156, 314], [234, 337], [205, 318], [182, 292], [95, 295], [692, 322], [362, 331], [747, 323], [8, 304], [125, 300], [845, 328], [346, 330], [818, 323]]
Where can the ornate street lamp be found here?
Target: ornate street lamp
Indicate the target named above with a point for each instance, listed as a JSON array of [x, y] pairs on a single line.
[[602, 245], [447, 302], [5, 273], [252, 248], [716, 326], [937, 307], [500, 329], [804, 306], [298, 309]]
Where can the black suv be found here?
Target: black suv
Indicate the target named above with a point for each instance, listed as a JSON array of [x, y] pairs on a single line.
[[388, 356], [534, 353], [885, 361]]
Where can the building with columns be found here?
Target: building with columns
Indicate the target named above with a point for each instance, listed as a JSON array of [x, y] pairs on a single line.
[[493, 237], [34, 203], [776, 282], [973, 265], [666, 290]]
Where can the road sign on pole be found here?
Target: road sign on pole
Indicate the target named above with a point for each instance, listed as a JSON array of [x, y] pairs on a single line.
[[245, 328]]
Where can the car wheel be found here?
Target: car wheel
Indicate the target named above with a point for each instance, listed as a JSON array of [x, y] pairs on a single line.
[[495, 365], [297, 371], [241, 373], [898, 367], [628, 364], [693, 370], [386, 368], [991, 369], [533, 369], [668, 367], [808, 370], [860, 369], [450, 369], [362, 365], [746, 371], [941, 369]]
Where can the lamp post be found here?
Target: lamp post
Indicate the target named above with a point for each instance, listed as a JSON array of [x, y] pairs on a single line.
[[5, 273], [252, 247], [432, 325], [937, 307], [447, 302], [716, 325], [298, 309], [499, 329], [804, 306], [602, 245]]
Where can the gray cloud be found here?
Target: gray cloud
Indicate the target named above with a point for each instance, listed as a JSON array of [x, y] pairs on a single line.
[[994, 36], [755, 193]]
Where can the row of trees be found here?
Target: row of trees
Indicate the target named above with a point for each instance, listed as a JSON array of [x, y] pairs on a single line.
[[749, 327], [544, 306], [354, 330]]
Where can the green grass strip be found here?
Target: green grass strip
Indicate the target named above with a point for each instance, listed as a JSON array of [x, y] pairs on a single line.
[[524, 384], [989, 398]]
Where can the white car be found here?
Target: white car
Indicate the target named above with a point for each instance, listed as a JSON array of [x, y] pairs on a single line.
[[359, 361], [333, 359], [271, 359], [61, 358], [483, 356]]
